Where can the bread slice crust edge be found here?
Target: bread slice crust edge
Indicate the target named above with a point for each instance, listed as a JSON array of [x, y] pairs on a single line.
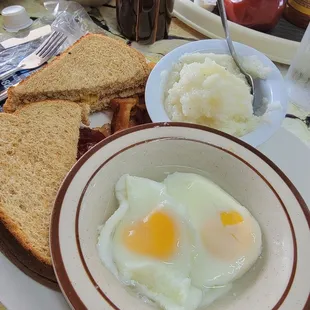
[[14, 99], [13, 243], [25, 260]]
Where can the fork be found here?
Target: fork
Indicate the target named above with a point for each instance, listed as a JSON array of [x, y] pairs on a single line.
[[43, 53]]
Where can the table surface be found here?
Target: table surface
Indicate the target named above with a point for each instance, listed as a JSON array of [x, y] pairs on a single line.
[[105, 17]]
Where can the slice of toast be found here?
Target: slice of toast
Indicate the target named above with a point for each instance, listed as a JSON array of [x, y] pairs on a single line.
[[93, 71], [38, 146]]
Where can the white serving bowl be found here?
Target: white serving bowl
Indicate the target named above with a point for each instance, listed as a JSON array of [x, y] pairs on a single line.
[[273, 88], [279, 279]]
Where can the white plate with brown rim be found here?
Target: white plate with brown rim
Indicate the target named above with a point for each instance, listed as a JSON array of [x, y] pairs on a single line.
[[86, 199]]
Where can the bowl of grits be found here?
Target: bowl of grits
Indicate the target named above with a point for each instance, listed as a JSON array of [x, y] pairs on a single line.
[[179, 216], [200, 83]]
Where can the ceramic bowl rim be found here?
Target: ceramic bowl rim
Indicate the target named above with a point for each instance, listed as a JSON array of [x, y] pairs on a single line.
[[59, 268]]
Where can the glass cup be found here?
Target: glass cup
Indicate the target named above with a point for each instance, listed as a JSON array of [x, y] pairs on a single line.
[[298, 76]]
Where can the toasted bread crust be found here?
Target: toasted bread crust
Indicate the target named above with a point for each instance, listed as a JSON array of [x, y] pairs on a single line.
[[24, 259], [15, 99], [17, 239]]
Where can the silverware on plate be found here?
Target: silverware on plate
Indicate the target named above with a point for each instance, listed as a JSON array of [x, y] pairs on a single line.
[[42, 54]]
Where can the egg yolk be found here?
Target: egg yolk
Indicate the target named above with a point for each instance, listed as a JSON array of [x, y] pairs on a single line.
[[231, 218], [155, 236], [228, 238]]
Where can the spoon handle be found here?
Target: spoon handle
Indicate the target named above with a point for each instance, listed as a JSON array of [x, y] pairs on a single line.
[[221, 7], [233, 53]]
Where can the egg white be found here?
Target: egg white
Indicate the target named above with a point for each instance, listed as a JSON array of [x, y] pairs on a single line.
[[204, 201], [193, 276], [166, 282]]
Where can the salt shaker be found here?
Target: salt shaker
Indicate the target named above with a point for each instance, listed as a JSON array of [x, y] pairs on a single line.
[[298, 76]]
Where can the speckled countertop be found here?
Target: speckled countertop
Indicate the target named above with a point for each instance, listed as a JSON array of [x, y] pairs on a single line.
[[297, 120]]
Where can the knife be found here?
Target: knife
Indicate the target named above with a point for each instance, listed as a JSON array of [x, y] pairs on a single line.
[[33, 35]]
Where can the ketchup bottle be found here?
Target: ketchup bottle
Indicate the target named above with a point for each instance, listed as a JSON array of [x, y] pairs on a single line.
[[261, 15]]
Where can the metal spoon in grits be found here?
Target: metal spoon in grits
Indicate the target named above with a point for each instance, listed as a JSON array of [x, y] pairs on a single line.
[[233, 53]]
